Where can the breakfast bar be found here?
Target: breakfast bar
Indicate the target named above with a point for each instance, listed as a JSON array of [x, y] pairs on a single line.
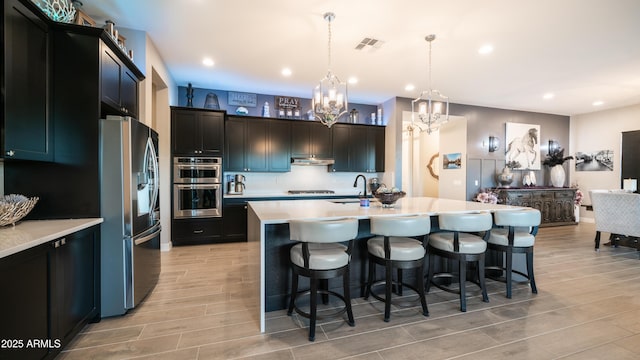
[[268, 236]]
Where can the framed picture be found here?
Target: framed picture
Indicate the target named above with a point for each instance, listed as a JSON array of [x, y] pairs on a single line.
[[452, 161], [522, 146], [598, 160], [242, 99], [83, 19]]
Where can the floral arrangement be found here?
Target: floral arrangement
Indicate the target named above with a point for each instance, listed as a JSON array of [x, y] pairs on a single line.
[[579, 196], [556, 157], [487, 196]]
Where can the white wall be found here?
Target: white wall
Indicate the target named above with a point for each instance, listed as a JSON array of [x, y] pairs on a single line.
[[157, 92], [598, 131], [453, 139]]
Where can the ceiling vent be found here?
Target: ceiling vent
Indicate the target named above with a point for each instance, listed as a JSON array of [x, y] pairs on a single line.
[[370, 44]]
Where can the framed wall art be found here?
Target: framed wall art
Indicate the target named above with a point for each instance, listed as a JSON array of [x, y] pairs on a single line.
[[599, 160], [242, 99], [522, 146]]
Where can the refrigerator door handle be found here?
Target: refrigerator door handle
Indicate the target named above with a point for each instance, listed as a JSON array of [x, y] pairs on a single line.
[[146, 238]]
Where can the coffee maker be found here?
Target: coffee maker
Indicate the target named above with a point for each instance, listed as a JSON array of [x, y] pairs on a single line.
[[235, 184], [240, 180]]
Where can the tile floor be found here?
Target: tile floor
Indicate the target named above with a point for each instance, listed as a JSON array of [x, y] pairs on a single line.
[[587, 308]]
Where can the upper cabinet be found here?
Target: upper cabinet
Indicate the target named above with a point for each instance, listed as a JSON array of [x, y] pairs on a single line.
[[257, 145], [25, 83], [197, 131], [119, 86], [310, 139], [358, 148]]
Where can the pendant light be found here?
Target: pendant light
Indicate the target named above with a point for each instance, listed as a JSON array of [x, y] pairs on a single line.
[[329, 100], [431, 108]]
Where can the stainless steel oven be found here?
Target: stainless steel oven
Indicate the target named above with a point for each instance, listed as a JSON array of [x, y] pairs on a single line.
[[192, 170], [197, 200]]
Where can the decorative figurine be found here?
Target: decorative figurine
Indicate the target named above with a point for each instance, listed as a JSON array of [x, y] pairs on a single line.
[[265, 110], [189, 95]]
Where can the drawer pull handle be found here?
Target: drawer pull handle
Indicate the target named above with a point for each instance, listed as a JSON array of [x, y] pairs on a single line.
[[198, 231]]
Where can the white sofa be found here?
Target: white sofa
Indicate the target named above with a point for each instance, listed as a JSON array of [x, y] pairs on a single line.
[[616, 212]]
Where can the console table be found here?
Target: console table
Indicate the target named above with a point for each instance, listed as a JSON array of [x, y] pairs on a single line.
[[556, 205]]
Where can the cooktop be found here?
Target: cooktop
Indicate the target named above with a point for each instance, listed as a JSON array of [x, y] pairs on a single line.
[[311, 192]]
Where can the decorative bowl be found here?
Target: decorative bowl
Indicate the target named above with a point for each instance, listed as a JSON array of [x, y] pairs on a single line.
[[388, 199], [14, 207]]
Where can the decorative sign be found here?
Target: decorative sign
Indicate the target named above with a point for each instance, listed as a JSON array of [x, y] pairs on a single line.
[[243, 99], [287, 102]]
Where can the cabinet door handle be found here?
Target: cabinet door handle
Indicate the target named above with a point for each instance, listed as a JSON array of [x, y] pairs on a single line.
[[198, 231], [56, 244], [63, 241], [11, 153]]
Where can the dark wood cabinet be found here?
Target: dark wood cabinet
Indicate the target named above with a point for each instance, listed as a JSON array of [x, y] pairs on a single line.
[[24, 306], [556, 205], [310, 139], [28, 134], [77, 281], [196, 231], [197, 132], [358, 148], [246, 144], [279, 158], [119, 86], [234, 220], [257, 145], [50, 292]]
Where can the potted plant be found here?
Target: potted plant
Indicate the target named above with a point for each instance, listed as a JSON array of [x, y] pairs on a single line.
[[555, 159]]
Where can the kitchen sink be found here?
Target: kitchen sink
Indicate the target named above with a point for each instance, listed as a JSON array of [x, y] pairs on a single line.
[[350, 201]]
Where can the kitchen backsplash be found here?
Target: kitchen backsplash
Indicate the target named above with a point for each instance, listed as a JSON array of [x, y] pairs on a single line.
[[302, 178]]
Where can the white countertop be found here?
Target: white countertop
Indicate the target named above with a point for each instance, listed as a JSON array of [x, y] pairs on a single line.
[[276, 212], [31, 233], [285, 194]]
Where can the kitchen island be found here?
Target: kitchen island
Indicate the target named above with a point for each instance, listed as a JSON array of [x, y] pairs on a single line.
[[268, 236]]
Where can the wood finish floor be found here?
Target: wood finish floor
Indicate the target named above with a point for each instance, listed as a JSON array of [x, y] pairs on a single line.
[[587, 307]]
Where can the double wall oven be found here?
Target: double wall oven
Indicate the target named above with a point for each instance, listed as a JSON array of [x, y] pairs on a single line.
[[197, 188]]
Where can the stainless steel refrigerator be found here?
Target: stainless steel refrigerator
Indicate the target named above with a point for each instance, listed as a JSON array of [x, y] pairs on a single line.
[[130, 235]]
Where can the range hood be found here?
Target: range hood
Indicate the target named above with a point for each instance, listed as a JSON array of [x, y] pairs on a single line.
[[311, 161]]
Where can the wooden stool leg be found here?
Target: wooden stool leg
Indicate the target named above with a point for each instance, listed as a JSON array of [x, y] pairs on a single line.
[[532, 279], [509, 270], [388, 285], [347, 297], [399, 283], [313, 309], [420, 287], [462, 279], [371, 279], [483, 285], [429, 273]]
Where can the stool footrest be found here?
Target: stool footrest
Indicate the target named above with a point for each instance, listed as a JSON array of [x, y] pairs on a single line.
[[396, 301], [305, 314]]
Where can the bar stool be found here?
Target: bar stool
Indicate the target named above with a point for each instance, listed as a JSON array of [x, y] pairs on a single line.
[[460, 242], [394, 249], [319, 255], [517, 235]]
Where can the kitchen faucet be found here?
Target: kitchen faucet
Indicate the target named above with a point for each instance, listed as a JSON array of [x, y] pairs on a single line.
[[355, 183]]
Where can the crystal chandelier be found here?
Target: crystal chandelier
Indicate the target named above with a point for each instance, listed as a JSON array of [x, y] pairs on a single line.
[[430, 104], [329, 100]]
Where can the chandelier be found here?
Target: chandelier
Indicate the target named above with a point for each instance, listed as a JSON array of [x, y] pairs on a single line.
[[432, 106], [329, 100]]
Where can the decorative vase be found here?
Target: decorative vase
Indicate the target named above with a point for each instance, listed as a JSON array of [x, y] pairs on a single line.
[[505, 178], [557, 176], [532, 178]]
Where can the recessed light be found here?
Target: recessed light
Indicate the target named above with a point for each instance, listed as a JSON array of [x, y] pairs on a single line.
[[548, 96], [353, 80], [410, 87], [598, 103], [208, 61], [286, 72], [485, 49]]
